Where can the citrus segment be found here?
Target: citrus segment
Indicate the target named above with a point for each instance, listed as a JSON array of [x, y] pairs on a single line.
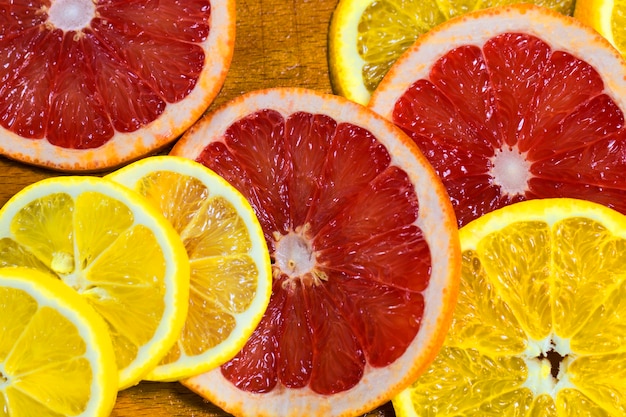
[[115, 250], [56, 356], [90, 86], [230, 265], [363, 245], [521, 103], [535, 328], [366, 37]]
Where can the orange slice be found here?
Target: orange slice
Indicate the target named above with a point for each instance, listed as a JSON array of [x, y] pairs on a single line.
[[538, 329], [87, 86], [231, 273], [56, 356], [366, 37], [513, 103], [607, 17], [364, 248]]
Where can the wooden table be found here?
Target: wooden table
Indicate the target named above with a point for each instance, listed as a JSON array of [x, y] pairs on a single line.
[[279, 43]]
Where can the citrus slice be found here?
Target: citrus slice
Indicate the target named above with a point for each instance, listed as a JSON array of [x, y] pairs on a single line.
[[113, 248], [89, 85], [538, 329], [513, 103], [607, 17], [231, 278], [56, 356], [366, 37], [364, 251]]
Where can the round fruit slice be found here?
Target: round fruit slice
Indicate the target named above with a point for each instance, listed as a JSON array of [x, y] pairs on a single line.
[[113, 248], [364, 251], [89, 85], [538, 329], [513, 103], [367, 36], [56, 356], [607, 17], [231, 274]]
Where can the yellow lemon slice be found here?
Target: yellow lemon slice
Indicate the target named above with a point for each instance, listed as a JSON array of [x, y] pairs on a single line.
[[230, 264], [112, 247], [366, 37], [56, 356], [538, 329], [607, 17]]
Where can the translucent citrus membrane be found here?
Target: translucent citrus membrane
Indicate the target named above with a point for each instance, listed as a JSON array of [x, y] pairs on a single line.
[[40, 347], [92, 243], [538, 330], [223, 274], [388, 27]]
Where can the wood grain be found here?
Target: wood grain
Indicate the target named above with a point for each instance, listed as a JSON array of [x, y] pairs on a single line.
[[279, 43]]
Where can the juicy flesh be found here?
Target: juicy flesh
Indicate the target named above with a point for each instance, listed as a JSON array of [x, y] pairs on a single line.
[[517, 93], [43, 368], [387, 28], [349, 217], [105, 257], [537, 326], [78, 83], [223, 274]]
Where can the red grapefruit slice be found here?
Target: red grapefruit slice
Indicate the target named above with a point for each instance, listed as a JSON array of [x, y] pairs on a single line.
[[364, 247], [513, 103], [88, 86]]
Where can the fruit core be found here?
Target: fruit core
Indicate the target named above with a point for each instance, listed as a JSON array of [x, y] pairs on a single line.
[[510, 170], [547, 370], [296, 260], [71, 14]]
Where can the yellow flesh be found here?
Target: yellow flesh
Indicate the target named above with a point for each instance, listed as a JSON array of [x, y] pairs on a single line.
[[523, 287], [618, 25], [223, 276], [388, 27], [41, 358], [92, 244]]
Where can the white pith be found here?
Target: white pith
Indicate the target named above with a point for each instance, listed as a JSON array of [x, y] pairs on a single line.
[[510, 170], [296, 259], [71, 14], [540, 379]]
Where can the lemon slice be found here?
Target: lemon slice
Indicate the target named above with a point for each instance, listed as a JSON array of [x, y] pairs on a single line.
[[230, 264], [539, 325], [112, 247], [56, 356]]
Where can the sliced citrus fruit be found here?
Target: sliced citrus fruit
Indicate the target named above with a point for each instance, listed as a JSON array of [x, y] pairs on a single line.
[[89, 85], [364, 251], [366, 37], [112, 247], [607, 17], [56, 356], [538, 329], [513, 103], [231, 275]]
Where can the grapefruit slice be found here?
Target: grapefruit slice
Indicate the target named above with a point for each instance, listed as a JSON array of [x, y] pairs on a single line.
[[513, 103], [89, 86], [364, 247]]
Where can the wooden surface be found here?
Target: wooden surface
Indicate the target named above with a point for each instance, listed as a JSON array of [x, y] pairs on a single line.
[[279, 43]]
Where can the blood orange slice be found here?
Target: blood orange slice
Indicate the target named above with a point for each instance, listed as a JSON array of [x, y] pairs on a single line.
[[364, 247], [513, 103], [88, 85]]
